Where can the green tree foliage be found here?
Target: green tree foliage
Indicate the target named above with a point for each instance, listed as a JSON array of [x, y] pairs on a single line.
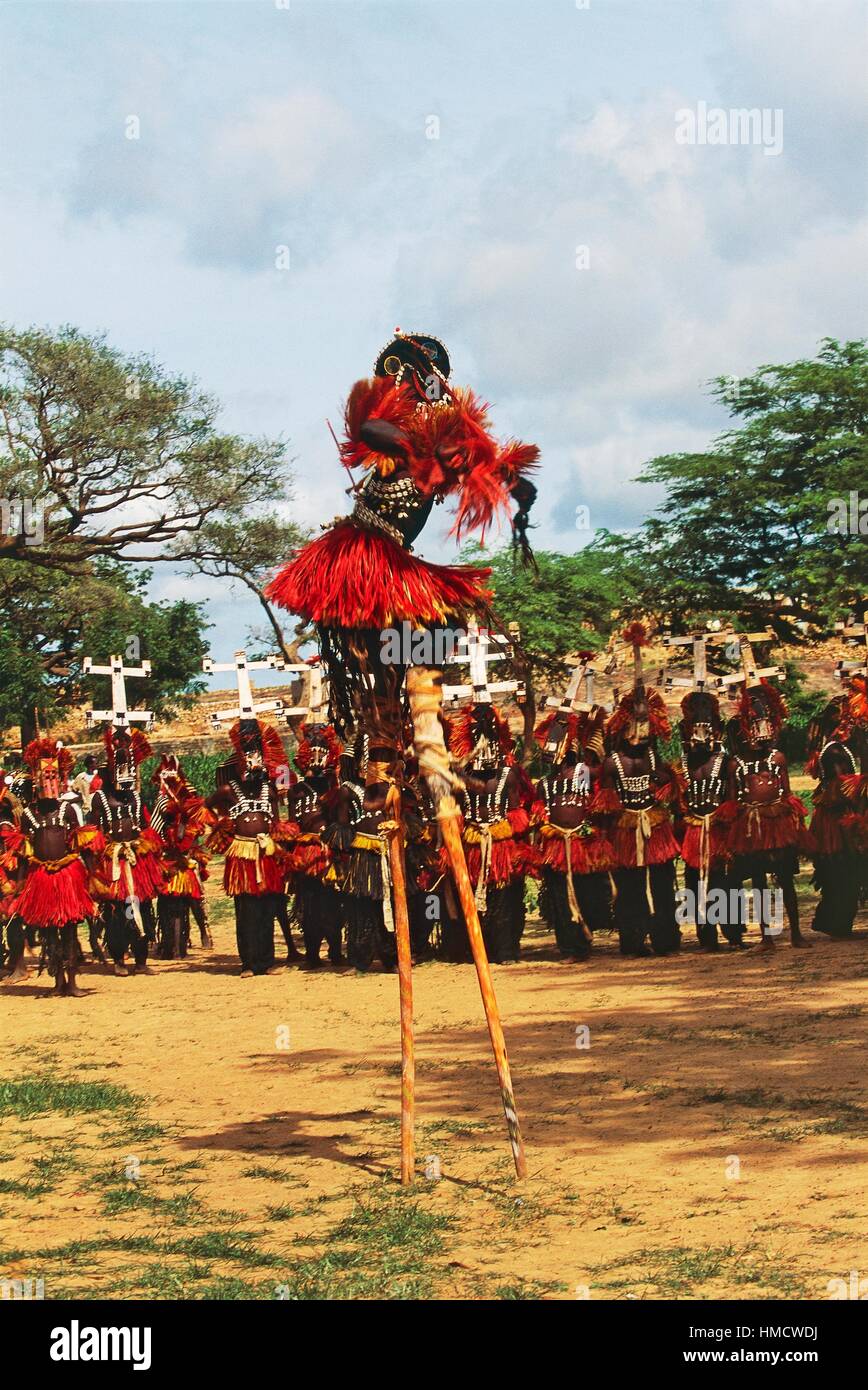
[[748, 526], [567, 605], [50, 621]]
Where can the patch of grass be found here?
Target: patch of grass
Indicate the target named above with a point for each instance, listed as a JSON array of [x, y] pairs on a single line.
[[15, 1187], [44, 1094], [49, 1167], [526, 1289], [130, 1197], [399, 1223], [281, 1213], [455, 1128], [682, 1272], [223, 1245]]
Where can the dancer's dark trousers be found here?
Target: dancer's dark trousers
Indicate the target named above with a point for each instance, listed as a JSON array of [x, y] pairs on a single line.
[[503, 924], [15, 941], [197, 912], [254, 931], [280, 913], [421, 924], [318, 912], [593, 895], [633, 916], [707, 931], [62, 951], [173, 913], [837, 876], [122, 932], [367, 936]]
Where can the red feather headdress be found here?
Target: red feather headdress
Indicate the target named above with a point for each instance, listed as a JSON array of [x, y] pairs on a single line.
[[694, 705], [113, 738], [833, 722], [450, 448], [168, 763], [770, 697], [572, 728], [636, 635], [462, 735], [273, 754], [324, 733], [857, 700], [45, 749], [658, 716]]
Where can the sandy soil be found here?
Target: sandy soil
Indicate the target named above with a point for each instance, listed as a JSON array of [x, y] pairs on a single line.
[[709, 1142]]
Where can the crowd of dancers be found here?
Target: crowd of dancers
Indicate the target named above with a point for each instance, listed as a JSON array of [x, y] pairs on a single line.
[[599, 828]]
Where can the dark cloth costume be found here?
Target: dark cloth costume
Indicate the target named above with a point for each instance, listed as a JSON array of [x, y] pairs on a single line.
[[640, 807], [181, 819], [835, 739], [701, 833], [575, 855], [128, 873], [308, 859], [254, 839]]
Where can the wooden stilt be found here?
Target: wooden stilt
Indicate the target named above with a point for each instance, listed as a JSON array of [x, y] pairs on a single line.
[[447, 813], [405, 986]]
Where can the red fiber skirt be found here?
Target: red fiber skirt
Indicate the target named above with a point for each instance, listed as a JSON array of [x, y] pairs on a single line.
[[659, 847], [148, 871], [827, 830], [778, 825], [239, 876], [588, 854], [352, 577], [509, 860], [691, 845], [307, 857], [53, 899]]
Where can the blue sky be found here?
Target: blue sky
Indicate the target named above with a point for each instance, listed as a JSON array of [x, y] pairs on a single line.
[[307, 125]]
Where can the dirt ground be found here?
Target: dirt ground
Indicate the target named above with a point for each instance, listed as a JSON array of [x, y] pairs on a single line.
[[193, 1135]]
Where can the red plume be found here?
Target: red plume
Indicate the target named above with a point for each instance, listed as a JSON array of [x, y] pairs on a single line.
[[857, 700], [635, 635], [273, 754]]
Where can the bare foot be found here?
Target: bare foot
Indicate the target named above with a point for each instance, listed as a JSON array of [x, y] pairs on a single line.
[[18, 974], [120, 968], [767, 943], [247, 974], [800, 944], [274, 969]]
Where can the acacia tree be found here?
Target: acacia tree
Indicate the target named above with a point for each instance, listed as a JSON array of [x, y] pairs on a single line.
[[106, 461], [113, 455]]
